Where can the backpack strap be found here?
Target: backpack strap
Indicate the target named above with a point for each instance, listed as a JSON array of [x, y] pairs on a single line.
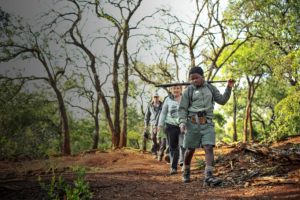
[[190, 94]]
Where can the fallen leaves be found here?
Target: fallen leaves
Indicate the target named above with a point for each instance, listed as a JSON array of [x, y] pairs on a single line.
[[259, 164]]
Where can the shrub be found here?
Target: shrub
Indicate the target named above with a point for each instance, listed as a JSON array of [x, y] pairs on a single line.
[[287, 117]]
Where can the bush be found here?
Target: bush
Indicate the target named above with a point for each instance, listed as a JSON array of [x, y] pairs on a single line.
[[287, 117], [60, 189]]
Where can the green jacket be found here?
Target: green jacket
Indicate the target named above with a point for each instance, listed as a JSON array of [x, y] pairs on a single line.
[[203, 100]]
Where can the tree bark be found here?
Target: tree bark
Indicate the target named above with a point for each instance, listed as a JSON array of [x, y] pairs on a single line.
[[234, 117], [97, 127], [123, 142], [64, 119]]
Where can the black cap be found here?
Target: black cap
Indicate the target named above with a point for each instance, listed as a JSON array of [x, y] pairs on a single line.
[[196, 70]]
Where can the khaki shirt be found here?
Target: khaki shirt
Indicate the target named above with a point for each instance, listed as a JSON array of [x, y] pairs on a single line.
[[202, 100]]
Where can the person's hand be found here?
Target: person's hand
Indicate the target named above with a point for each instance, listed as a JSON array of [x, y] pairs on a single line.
[[230, 83], [182, 128]]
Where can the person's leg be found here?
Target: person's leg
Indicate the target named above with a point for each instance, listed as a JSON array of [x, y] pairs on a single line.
[[144, 144], [159, 139], [173, 139], [162, 148], [167, 156], [187, 164], [208, 141], [181, 150], [154, 147], [188, 157], [209, 168], [191, 141]]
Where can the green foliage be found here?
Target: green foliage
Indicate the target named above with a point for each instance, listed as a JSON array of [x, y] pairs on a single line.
[[135, 128], [219, 119], [275, 22], [228, 136], [81, 134], [27, 123], [200, 163], [60, 189], [81, 189], [287, 116], [219, 125]]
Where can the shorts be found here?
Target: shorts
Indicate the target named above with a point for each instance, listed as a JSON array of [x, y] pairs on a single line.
[[199, 134]]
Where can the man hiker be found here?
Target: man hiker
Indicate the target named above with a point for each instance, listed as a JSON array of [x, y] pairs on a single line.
[[195, 114], [151, 120]]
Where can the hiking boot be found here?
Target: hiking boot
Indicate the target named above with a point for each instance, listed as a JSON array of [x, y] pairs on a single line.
[[167, 158], [211, 181], [186, 175], [159, 158], [181, 165], [173, 171]]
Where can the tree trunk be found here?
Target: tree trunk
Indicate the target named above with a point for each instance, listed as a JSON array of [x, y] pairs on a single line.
[[234, 117], [115, 83], [96, 133], [64, 120], [97, 128], [248, 120], [123, 142], [246, 123], [250, 123], [117, 103], [247, 114]]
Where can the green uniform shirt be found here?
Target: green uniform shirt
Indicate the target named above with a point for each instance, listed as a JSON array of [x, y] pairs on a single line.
[[203, 99]]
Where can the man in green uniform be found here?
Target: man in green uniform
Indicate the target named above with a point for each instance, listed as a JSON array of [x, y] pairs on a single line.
[[196, 121]]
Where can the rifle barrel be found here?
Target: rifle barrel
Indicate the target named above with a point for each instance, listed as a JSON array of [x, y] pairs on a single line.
[[184, 83]]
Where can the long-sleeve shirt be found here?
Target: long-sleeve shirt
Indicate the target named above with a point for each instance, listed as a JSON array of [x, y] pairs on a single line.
[[152, 114], [202, 100], [169, 112]]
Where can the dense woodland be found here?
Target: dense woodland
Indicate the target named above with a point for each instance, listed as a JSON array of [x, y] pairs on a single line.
[[94, 64]]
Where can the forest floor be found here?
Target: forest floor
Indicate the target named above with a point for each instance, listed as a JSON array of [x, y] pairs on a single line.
[[248, 171]]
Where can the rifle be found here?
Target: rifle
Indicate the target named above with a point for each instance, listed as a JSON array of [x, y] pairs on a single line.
[[183, 83]]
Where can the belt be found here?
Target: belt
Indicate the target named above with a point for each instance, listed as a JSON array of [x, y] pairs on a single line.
[[195, 119]]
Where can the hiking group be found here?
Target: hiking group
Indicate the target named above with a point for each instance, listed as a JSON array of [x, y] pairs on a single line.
[[184, 122]]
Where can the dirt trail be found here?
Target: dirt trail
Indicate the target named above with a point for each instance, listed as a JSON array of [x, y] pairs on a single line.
[[130, 174]]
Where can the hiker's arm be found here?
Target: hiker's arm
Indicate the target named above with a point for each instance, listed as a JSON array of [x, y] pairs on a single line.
[[221, 98], [147, 116], [163, 114]]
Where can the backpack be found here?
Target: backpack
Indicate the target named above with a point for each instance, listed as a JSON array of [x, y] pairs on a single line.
[[191, 92]]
